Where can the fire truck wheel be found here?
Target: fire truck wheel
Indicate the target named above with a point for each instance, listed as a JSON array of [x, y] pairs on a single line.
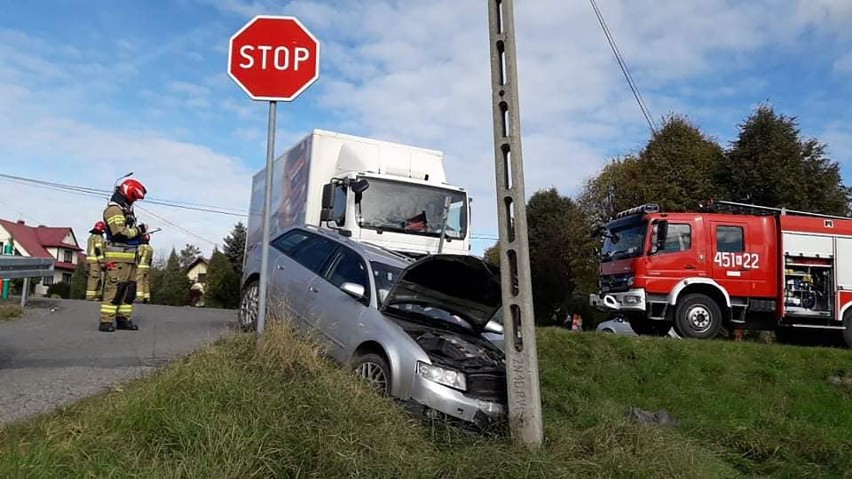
[[847, 333], [698, 316]]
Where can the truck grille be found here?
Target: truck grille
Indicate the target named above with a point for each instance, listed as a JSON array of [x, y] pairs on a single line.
[[615, 283]]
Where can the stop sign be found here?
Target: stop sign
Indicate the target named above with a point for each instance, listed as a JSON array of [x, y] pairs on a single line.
[[273, 58]]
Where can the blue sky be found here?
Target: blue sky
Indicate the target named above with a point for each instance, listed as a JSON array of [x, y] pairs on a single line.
[[91, 90]]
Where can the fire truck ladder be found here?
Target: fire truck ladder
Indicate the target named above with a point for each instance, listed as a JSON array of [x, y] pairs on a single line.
[[744, 208]]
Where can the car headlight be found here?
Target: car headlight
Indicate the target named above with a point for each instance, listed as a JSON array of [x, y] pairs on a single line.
[[631, 280], [447, 377]]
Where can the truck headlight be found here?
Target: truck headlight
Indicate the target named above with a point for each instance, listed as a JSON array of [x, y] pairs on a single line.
[[631, 299], [447, 377]]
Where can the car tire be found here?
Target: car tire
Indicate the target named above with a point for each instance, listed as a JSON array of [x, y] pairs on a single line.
[[608, 331], [375, 371], [698, 316], [247, 314]]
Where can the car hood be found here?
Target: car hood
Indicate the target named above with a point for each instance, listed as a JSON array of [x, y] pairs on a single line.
[[445, 284]]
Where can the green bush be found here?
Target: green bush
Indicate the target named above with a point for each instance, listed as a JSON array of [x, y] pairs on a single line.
[[62, 290]]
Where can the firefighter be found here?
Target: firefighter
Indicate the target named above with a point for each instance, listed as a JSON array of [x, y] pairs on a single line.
[[95, 262], [123, 236], [143, 284]]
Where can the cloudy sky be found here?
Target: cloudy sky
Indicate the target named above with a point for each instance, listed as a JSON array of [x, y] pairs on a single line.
[[92, 90]]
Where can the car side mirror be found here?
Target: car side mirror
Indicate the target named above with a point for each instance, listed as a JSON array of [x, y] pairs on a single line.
[[357, 291], [493, 327], [327, 202]]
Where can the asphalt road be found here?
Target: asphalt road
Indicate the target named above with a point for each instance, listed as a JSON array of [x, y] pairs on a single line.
[[55, 355]]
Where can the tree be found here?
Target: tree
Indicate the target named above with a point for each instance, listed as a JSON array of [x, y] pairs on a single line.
[[79, 281], [235, 247], [188, 254], [769, 164], [222, 289], [492, 254], [172, 285]]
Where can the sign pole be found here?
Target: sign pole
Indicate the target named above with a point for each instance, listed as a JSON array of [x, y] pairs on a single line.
[[267, 207], [524, 393]]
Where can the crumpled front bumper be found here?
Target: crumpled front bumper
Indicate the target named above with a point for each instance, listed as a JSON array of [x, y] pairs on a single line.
[[455, 403], [630, 300]]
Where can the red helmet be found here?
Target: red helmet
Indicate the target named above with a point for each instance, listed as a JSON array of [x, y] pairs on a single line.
[[99, 227], [132, 190]]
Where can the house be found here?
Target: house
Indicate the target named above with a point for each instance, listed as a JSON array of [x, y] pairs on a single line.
[[197, 271], [57, 243]]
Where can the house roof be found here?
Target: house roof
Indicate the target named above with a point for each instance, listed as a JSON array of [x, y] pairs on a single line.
[[196, 261], [35, 240]]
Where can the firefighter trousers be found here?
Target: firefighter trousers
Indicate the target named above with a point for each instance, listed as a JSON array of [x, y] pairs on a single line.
[[119, 292], [94, 282], [143, 285]]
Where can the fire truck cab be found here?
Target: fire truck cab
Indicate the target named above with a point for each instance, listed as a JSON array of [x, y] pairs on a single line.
[[729, 264]]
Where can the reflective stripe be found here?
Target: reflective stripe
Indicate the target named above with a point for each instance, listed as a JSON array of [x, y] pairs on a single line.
[[117, 255], [108, 308], [117, 219], [125, 308], [144, 266], [91, 293]]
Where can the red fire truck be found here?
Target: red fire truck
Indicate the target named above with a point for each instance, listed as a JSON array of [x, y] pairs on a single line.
[[730, 264]]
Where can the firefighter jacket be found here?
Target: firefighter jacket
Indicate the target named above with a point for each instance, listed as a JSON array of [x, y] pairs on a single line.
[[122, 233], [145, 255], [95, 249]]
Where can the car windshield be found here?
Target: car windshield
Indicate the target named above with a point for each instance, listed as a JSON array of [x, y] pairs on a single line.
[[385, 276], [625, 241], [412, 209]]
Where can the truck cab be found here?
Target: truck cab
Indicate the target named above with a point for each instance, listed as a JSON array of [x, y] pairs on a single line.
[[694, 271]]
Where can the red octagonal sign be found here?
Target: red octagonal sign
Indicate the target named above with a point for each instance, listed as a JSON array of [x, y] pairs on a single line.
[[273, 58]]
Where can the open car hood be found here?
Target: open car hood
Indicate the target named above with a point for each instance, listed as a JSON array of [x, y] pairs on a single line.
[[440, 286]]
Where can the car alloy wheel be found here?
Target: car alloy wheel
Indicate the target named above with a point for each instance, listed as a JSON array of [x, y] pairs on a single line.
[[247, 316], [373, 369]]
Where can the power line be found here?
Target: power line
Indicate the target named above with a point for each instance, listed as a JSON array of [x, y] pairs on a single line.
[[626, 71], [92, 192], [105, 194]]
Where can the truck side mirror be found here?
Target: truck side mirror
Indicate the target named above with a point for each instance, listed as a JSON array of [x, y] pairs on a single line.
[[662, 233], [327, 202], [360, 186]]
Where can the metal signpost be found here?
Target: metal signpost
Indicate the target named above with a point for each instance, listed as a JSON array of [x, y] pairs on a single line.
[[272, 58], [519, 321]]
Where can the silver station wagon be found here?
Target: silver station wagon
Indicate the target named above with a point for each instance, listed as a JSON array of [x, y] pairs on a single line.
[[415, 330]]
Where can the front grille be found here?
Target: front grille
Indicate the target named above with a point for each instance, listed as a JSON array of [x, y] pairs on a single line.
[[487, 387], [615, 283]]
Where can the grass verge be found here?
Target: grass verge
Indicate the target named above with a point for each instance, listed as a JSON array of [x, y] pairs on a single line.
[[280, 410], [9, 312]]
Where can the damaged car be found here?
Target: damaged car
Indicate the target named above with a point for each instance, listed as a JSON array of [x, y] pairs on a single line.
[[415, 330]]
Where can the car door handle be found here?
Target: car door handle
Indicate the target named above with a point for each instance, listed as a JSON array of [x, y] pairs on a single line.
[[313, 290], [689, 266], [279, 267]]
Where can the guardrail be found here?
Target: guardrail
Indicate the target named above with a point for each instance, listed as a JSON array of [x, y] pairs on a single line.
[[15, 267]]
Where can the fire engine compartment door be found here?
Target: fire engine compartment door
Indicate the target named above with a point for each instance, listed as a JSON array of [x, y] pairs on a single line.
[[735, 256], [843, 264]]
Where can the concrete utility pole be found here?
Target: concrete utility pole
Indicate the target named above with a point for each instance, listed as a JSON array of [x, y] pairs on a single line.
[[519, 319]]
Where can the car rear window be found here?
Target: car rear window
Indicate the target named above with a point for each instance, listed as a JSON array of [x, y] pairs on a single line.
[[314, 252]]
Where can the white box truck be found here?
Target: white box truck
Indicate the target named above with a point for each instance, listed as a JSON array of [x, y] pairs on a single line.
[[391, 195]]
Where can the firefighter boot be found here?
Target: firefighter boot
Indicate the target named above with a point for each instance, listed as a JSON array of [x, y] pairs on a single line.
[[126, 324], [106, 328]]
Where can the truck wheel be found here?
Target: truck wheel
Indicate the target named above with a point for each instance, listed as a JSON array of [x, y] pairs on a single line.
[[847, 332], [698, 316], [247, 315]]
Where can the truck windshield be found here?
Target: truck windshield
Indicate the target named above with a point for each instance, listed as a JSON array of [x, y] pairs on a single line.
[[624, 242], [413, 209]]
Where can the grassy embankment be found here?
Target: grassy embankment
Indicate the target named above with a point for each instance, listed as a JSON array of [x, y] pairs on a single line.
[[233, 411]]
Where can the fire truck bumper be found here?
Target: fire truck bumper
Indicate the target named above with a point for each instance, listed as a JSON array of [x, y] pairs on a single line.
[[630, 300]]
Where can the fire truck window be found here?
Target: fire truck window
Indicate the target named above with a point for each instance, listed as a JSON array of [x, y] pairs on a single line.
[[678, 238], [729, 239]]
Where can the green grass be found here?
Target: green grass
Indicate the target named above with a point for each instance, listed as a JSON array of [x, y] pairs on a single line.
[[9, 312], [282, 411]]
